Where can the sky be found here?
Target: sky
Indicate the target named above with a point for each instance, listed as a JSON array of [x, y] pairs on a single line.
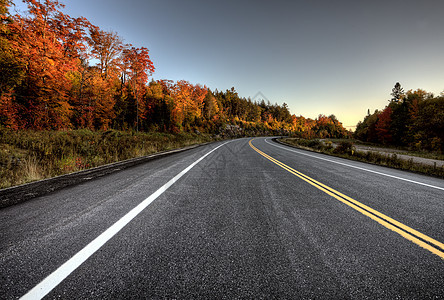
[[318, 56]]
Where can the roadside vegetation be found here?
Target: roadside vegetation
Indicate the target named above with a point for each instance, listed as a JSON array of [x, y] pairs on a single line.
[[405, 150], [26, 156], [412, 120], [346, 149]]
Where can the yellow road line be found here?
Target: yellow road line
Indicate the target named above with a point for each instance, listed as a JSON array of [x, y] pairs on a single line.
[[405, 231]]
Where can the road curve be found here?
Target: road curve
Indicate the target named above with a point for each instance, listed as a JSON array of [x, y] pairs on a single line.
[[245, 219]]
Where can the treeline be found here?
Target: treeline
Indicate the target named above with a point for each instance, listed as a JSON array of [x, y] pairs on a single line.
[[413, 119], [48, 82]]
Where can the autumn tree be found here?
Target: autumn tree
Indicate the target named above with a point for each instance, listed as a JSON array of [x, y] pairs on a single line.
[[404, 114], [159, 112], [383, 126], [211, 107], [73, 37], [82, 95], [137, 65], [42, 96], [107, 48], [429, 125], [4, 14], [188, 102], [11, 68]]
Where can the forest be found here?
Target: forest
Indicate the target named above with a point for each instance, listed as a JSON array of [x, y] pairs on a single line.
[[62, 73], [413, 119]]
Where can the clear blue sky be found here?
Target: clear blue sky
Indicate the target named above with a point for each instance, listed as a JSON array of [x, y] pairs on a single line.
[[318, 56]]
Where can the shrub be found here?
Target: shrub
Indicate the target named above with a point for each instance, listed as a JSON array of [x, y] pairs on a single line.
[[345, 147]]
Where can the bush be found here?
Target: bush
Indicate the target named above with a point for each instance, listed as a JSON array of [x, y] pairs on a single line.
[[328, 145], [345, 147]]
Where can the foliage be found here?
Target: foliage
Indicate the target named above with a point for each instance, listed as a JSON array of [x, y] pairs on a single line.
[[382, 126], [64, 73], [415, 120]]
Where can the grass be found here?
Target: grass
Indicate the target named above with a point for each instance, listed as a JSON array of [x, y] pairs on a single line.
[[27, 156], [399, 150], [346, 149]]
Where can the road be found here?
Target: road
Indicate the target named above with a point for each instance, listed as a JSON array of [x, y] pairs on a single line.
[[251, 219]]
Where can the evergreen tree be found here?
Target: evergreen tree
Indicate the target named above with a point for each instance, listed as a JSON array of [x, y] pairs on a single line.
[[397, 93]]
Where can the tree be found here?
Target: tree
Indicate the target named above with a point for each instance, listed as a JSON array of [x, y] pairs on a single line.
[[211, 108], [103, 100], [11, 68], [429, 125], [42, 96], [397, 93], [411, 103], [107, 48], [254, 112], [138, 66], [383, 126], [159, 112], [188, 100], [82, 95], [366, 130]]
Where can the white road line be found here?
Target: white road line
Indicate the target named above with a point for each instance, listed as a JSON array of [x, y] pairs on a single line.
[[56, 277], [351, 166]]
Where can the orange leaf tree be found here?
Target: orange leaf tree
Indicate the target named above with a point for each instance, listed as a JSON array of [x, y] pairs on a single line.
[[41, 43], [137, 65]]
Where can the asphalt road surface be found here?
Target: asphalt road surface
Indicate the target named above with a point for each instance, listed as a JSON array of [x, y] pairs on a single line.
[[251, 219]]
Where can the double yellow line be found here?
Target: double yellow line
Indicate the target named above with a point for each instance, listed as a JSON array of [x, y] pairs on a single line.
[[411, 234]]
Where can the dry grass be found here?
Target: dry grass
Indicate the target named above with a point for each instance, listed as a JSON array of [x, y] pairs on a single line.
[[27, 156], [31, 170]]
